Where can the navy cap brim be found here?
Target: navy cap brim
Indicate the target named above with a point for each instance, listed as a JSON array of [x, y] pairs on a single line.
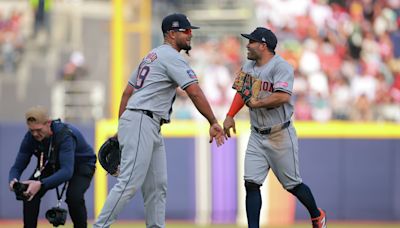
[[250, 37], [194, 27]]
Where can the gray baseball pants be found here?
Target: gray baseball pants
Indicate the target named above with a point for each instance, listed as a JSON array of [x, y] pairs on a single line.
[[143, 165]]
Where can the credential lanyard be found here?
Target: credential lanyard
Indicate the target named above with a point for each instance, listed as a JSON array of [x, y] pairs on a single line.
[[39, 170]]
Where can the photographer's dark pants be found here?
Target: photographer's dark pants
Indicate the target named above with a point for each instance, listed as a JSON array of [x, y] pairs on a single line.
[[75, 200]]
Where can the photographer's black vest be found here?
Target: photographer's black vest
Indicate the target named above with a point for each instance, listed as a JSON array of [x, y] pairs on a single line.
[[53, 161]]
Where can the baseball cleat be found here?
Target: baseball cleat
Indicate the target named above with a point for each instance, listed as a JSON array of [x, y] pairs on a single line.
[[319, 222]]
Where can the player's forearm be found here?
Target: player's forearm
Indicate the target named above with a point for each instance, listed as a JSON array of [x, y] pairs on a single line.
[[122, 106], [204, 108], [275, 100], [201, 103], [124, 99], [236, 105]]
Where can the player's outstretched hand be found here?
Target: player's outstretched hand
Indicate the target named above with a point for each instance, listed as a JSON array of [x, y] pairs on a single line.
[[217, 133], [229, 123]]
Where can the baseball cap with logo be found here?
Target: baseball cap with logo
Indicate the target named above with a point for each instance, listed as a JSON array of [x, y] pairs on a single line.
[[37, 114], [176, 22], [263, 35]]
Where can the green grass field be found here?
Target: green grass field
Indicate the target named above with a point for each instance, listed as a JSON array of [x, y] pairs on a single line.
[[45, 224]]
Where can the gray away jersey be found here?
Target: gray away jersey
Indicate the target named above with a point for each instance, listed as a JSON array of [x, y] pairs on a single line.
[[276, 75], [156, 79]]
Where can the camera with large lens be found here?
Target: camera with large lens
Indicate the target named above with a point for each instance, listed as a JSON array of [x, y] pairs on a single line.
[[56, 216], [19, 189]]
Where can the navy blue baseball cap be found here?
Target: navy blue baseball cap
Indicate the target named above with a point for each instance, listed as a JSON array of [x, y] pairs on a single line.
[[263, 35], [176, 22]]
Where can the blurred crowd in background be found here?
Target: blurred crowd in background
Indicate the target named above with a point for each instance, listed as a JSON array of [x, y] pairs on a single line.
[[14, 35], [346, 56], [11, 41], [345, 53]]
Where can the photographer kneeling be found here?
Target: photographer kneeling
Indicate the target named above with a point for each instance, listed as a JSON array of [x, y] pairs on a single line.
[[63, 155]]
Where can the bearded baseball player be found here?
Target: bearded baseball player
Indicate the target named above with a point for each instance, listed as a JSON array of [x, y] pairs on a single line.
[[146, 104], [265, 85]]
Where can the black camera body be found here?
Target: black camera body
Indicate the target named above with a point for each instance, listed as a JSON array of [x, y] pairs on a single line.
[[19, 189], [56, 216]]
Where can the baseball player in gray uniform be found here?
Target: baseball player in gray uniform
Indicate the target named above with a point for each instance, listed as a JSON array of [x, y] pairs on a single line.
[[273, 140], [146, 104]]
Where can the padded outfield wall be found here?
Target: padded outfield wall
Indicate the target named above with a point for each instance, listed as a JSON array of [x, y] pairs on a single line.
[[353, 170]]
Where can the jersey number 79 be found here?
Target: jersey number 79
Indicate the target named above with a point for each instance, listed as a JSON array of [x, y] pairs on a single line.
[[141, 76]]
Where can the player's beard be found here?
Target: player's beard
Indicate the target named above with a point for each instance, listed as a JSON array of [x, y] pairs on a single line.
[[251, 54], [184, 46], [187, 50]]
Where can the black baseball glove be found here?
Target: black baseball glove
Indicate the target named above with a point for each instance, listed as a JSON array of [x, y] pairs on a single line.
[[110, 156]]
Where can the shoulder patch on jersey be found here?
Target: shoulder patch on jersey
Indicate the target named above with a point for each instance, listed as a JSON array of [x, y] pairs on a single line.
[[150, 57], [281, 84], [191, 74]]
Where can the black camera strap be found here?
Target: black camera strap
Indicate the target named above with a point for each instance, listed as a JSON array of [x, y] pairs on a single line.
[[59, 196]]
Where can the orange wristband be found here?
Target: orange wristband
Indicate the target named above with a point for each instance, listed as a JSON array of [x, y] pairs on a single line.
[[236, 105]]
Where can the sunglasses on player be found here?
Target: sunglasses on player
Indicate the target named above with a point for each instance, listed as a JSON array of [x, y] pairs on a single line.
[[186, 31]]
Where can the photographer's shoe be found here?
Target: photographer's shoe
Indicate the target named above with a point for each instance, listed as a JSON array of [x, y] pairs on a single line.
[[319, 222]]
